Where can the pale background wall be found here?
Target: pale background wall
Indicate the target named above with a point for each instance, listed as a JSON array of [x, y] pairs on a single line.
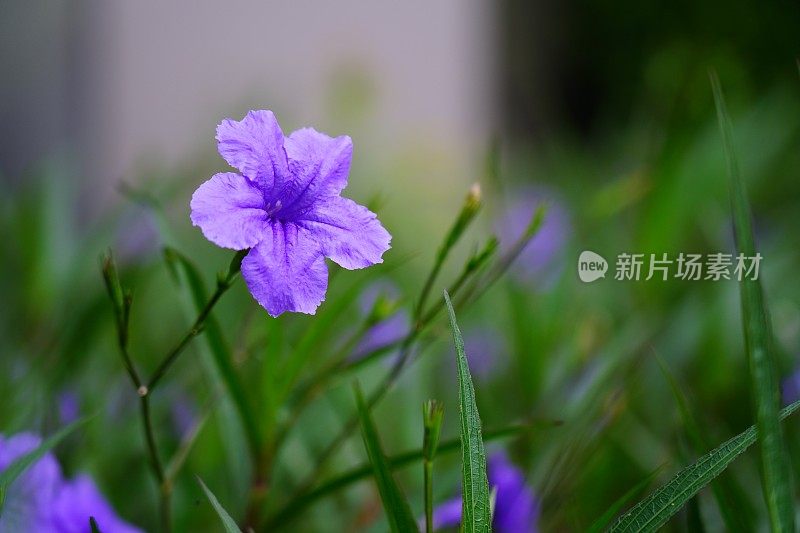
[[127, 85]]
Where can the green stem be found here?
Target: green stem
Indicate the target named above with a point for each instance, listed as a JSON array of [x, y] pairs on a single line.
[[193, 332]]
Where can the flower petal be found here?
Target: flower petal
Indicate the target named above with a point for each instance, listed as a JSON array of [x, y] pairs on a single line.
[[286, 271], [79, 499], [254, 145], [348, 233], [230, 211], [319, 165]]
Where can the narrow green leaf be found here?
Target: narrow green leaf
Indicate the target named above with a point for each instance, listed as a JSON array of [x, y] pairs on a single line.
[[476, 505], [22, 463], [732, 505], [93, 525], [359, 473], [227, 522], [398, 512], [223, 358], [605, 519], [432, 416], [654, 511], [775, 464]]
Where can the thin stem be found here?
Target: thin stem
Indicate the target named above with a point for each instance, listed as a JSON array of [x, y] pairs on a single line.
[[164, 488], [193, 332], [428, 472]]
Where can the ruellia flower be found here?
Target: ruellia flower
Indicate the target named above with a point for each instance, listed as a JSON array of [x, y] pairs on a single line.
[[516, 508], [42, 500], [285, 205]]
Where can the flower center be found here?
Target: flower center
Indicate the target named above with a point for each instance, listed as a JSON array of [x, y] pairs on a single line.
[[272, 209]]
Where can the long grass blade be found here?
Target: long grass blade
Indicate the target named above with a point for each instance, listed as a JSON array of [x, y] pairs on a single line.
[[223, 358], [398, 512], [732, 506], [775, 464], [476, 502], [654, 511], [227, 522]]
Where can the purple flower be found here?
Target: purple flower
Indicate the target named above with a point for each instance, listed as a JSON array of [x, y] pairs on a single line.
[[540, 255], [516, 509], [41, 500], [68, 407], [486, 352], [286, 207], [387, 331], [791, 388]]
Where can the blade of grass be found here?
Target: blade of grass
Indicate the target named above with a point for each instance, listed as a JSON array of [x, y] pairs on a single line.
[[605, 519], [775, 464], [364, 471], [22, 463], [398, 512], [476, 505], [432, 416], [654, 511], [93, 525], [732, 506], [222, 356], [227, 522]]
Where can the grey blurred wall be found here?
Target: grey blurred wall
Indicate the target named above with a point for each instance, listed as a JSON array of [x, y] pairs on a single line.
[[119, 83]]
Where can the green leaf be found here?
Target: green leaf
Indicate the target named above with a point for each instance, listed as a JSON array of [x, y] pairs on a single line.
[[654, 511], [476, 503], [228, 523], [398, 512], [605, 519], [432, 417], [220, 351], [22, 463], [732, 506], [362, 472], [93, 525], [775, 463]]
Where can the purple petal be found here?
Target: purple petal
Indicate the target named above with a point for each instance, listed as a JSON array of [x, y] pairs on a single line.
[[541, 258], [286, 271], [80, 499], [254, 145], [28, 501], [348, 233], [516, 508], [230, 211], [319, 165], [69, 407], [447, 514], [791, 388]]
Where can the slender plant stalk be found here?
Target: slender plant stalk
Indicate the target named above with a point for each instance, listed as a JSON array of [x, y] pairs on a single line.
[[759, 343], [432, 417], [194, 331], [122, 303]]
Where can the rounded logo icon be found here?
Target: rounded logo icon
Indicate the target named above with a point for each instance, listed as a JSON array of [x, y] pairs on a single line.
[[591, 266]]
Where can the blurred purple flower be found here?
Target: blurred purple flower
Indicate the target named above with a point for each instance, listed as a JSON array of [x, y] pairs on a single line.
[[286, 206], [516, 509], [486, 352], [540, 256], [68, 407], [41, 500], [183, 412], [790, 388], [387, 331]]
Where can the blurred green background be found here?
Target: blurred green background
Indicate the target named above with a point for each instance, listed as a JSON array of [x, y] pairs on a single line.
[[603, 110]]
